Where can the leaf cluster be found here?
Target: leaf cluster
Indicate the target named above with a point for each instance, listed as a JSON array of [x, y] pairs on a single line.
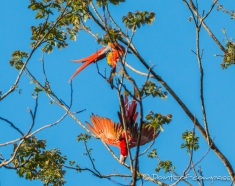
[[138, 18], [229, 55], [83, 137], [157, 120], [150, 88], [33, 162], [53, 33], [17, 59], [152, 154], [111, 36], [191, 141], [77, 166], [105, 2], [165, 165]]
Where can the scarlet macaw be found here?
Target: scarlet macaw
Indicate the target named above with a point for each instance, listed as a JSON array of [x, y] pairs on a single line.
[[112, 49], [114, 134]]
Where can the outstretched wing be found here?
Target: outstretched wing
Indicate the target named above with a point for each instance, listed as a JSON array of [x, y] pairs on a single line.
[[148, 134], [106, 129]]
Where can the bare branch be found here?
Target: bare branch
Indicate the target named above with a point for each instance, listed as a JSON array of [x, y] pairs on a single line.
[[96, 13], [212, 7], [12, 125], [57, 101], [89, 155], [111, 18], [195, 173], [33, 115], [149, 147], [98, 175], [193, 8], [6, 162]]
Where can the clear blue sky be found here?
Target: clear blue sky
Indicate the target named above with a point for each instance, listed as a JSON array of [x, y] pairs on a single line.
[[166, 44]]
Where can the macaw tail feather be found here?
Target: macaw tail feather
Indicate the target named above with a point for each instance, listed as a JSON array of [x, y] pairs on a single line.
[[80, 69], [100, 54]]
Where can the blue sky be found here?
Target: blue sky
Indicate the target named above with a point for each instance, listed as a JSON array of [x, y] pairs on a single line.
[[166, 44]]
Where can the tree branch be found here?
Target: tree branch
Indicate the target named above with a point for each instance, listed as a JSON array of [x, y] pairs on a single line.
[[13, 126]]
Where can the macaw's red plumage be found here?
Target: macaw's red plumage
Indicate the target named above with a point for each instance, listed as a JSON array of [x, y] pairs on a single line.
[[112, 51], [114, 133], [113, 55]]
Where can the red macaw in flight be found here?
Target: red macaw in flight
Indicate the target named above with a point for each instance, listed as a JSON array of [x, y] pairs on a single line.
[[112, 51], [114, 134]]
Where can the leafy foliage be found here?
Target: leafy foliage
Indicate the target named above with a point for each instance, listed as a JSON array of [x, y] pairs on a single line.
[[191, 141], [152, 154], [105, 2], [157, 120], [83, 137], [32, 161], [55, 33], [150, 88], [17, 59], [112, 35], [138, 18], [165, 165], [229, 55], [37, 90]]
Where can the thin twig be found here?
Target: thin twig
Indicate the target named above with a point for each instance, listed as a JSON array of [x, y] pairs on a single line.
[[33, 115], [94, 173], [193, 8], [91, 160], [111, 18], [201, 84], [212, 7], [57, 101], [96, 13], [195, 173], [12, 125], [149, 147]]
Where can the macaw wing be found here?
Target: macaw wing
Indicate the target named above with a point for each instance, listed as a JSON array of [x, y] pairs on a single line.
[[106, 129], [148, 134]]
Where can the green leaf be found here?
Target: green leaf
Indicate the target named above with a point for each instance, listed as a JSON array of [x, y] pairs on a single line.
[[191, 141], [138, 18]]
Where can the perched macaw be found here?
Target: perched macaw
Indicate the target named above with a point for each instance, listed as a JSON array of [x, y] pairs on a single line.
[[114, 134], [112, 51]]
